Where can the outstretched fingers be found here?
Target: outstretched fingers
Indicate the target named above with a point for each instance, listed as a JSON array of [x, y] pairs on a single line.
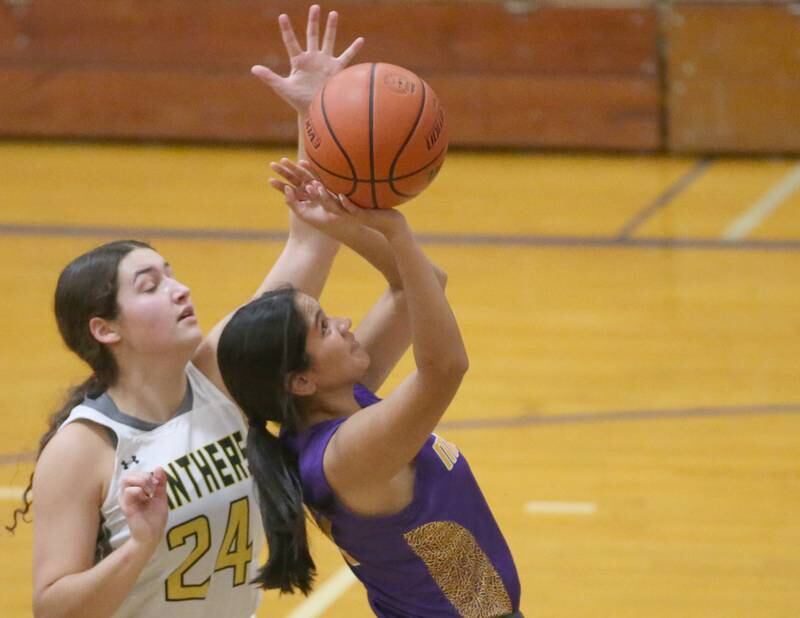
[[312, 28], [277, 185], [298, 206], [285, 171], [329, 39], [265, 74], [348, 206], [289, 38], [307, 171], [325, 198], [348, 54], [292, 172]]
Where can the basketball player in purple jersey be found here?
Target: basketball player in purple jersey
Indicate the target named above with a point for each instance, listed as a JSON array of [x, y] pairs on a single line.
[[399, 501]]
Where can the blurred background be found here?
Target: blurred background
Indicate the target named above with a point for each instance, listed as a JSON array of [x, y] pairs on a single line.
[[619, 216], [636, 76]]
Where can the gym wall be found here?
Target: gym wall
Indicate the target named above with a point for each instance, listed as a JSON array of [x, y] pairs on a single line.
[[592, 75]]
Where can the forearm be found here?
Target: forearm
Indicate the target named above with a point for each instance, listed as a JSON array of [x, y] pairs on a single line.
[[97, 592], [304, 264], [375, 249], [435, 335], [301, 145], [299, 229], [308, 255]]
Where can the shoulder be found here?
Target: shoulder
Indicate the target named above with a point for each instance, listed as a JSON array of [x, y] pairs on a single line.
[[77, 462], [205, 375], [205, 363], [80, 440], [310, 447], [313, 440], [310, 444]]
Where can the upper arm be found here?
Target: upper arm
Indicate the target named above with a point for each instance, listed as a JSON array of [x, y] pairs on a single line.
[[68, 487], [304, 263], [385, 333], [374, 444], [205, 357]]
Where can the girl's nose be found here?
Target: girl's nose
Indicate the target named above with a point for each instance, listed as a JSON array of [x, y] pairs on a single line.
[[178, 291], [345, 324]]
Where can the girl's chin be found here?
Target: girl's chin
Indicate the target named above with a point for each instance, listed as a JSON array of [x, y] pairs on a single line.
[[184, 343], [365, 366]]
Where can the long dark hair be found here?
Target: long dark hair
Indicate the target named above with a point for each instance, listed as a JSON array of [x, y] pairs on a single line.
[[259, 349], [86, 288]]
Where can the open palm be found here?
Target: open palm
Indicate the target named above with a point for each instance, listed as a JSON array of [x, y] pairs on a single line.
[[310, 67]]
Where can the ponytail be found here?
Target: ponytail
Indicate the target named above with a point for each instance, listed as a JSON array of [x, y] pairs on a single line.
[[277, 477], [260, 347], [86, 288], [74, 397]]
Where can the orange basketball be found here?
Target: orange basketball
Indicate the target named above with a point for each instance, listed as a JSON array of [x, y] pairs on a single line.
[[377, 133]]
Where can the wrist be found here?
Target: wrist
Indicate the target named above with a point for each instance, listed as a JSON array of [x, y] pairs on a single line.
[[301, 149], [399, 231], [314, 240], [140, 550]]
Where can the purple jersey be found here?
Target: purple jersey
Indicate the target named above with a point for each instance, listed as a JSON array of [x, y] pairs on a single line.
[[442, 555]]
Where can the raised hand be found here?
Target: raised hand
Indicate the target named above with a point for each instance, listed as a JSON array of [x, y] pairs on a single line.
[[310, 200], [143, 500], [386, 221], [310, 67], [298, 177], [332, 214]]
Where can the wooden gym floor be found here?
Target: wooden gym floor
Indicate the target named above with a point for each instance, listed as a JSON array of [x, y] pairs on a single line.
[[633, 405]]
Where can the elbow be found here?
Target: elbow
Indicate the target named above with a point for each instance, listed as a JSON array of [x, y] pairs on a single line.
[[40, 609], [441, 276], [452, 374], [40, 606], [448, 371], [38, 601], [45, 605], [460, 366], [40, 612]]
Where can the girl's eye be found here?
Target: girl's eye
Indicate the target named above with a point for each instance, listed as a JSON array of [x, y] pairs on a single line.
[[324, 326]]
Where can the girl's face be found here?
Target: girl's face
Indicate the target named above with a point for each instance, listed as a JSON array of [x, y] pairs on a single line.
[[336, 356], [156, 314]]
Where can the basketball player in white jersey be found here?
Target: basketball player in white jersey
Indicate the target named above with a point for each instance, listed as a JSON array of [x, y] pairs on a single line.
[[144, 502]]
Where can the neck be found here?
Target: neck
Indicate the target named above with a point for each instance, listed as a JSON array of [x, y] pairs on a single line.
[[152, 392], [329, 405]]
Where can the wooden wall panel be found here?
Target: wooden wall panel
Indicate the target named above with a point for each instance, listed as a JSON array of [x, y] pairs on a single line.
[[143, 104], [121, 104], [734, 78], [547, 77], [608, 113], [426, 36]]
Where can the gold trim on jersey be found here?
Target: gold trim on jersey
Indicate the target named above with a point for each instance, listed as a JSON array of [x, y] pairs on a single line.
[[461, 569]]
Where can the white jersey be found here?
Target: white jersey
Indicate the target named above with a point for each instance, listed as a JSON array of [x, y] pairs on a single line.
[[213, 537]]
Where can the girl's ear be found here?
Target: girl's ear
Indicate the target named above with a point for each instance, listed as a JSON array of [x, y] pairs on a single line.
[[104, 331], [301, 385]]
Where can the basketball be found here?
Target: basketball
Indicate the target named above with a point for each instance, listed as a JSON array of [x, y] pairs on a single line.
[[376, 133]]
